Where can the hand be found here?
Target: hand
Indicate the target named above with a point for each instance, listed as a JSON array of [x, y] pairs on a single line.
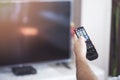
[[80, 48], [82, 67], [79, 45]]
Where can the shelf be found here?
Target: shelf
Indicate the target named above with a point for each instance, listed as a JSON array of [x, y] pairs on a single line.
[[48, 72]]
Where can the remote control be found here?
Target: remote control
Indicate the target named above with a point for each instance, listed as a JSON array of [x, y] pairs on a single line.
[[25, 70], [91, 51]]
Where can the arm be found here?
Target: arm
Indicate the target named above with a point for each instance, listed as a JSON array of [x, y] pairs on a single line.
[[83, 70]]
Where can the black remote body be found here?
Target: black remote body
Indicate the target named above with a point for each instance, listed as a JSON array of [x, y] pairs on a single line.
[[25, 70], [91, 51]]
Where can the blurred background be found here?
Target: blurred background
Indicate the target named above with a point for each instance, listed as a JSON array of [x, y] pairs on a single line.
[[101, 21]]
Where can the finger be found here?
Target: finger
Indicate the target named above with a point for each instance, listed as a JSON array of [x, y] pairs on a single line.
[[72, 28], [75, 38], [81, 38], [72, 31]]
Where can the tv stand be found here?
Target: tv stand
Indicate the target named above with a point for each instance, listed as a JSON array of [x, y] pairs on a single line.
[[64, 64], [23, 70], [49, 71]]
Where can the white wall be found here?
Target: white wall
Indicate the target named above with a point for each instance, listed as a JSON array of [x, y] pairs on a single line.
[[95, 17]]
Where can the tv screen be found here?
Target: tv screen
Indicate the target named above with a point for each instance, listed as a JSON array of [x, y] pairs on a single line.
[[34, 32]]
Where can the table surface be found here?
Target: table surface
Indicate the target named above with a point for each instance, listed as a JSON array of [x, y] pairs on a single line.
[[48, 72]]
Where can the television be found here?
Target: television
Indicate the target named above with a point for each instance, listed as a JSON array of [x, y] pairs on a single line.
[[34, 31]]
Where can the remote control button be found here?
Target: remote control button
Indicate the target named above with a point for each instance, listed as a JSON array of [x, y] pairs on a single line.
[[88, 46], [93, 50], [90, 53]]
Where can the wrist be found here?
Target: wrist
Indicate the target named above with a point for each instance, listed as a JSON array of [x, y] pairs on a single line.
[[80, 57]]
